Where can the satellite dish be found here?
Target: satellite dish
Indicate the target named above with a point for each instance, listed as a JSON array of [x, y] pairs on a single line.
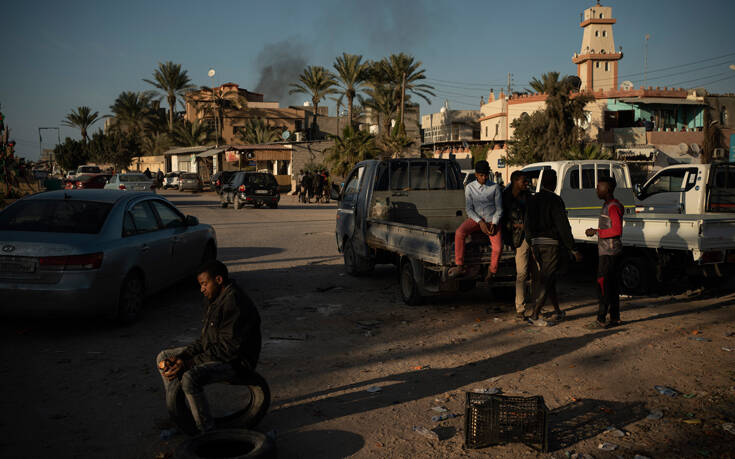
[[683, 148], [286, 135], [626, 85], [695, 148], [211, 73]]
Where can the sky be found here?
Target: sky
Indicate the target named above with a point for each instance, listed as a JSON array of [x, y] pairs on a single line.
[[60, 55]]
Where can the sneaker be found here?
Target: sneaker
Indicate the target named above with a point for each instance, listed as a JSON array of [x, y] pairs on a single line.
[[538, 322], [614, 323], [559, 316], [456, 271]]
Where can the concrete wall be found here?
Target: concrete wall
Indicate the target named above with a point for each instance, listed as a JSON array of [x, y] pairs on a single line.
[[304, 153], [154, 163]]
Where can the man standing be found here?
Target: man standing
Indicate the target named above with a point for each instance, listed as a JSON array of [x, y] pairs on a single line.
[[547, 231], [515, 198], [484, 209], [229, 345], [609, 248]]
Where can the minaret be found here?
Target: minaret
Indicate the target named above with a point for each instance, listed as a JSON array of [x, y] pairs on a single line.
[[597, 61]]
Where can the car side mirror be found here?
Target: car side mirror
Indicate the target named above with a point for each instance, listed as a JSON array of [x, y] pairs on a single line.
[[191, 220], [637, 189], [334, 193]]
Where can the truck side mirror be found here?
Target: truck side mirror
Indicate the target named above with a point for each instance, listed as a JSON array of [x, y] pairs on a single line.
[[637, 189], [334, 192]]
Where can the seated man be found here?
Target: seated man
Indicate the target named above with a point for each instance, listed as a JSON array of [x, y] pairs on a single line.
[[484, 209], [229, 344]]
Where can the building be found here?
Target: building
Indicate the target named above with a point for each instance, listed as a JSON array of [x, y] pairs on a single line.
[[449, 126], [597, 61]]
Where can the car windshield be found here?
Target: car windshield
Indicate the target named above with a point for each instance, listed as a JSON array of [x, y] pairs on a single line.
[[85, 177], [172, 174], [89, 169], [55, 216], [189, 176], [260, 180], [133, 178]]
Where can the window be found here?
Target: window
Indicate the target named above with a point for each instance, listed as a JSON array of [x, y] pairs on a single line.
[[485, 131], [533, 174], [418, 179], [170, 217], [723, 117], [572, 178], [606, 66], [353, 185], [144, 221], [604, 33], [399, 175], [55, 216], [437, 175], [597, 65], [619, 174], [669, 181], [497, 128], [588, 176], [381, 177], [600, 15], [597, 34]]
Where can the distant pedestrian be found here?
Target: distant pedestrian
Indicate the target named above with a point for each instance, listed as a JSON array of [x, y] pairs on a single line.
[[159, 178], [548, 232], [484, 209], [609, 247], [147, 173], [515, 199]]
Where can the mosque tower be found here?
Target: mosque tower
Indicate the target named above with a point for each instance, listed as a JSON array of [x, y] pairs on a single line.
[[597, 61]]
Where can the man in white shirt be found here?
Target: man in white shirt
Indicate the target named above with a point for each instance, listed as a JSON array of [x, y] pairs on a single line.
[[484, 209]]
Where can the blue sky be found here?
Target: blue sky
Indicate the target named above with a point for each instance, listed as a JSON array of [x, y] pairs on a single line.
[[59, 55]]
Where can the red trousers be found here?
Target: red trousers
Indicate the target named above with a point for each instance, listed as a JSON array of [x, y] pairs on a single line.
[[468, 227]]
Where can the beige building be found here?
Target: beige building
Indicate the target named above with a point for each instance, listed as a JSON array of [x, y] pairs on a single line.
[[597, 61], [450, 125]]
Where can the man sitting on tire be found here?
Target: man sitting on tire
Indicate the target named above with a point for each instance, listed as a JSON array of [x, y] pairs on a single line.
[[229, 345]]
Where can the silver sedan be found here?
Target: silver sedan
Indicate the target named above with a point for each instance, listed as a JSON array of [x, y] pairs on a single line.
[[98, 252]]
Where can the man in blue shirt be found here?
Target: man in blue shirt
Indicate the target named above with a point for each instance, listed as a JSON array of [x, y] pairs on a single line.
[[484, 209]]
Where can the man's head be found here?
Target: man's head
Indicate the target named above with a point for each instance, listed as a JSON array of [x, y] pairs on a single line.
[[519, 181], [606, 187], [212, 277], [482, 171], [548, 180]]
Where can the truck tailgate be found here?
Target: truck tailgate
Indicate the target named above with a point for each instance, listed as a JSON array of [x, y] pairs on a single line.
[[718, 234]]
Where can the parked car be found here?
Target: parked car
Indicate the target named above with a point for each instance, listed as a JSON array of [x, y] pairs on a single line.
[[95, 252], [171, 180], [189, 181], [130, 182], [221, 178], [253, 188], [94, 181]]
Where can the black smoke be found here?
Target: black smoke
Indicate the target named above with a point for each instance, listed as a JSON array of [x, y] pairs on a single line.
[[280, 64]]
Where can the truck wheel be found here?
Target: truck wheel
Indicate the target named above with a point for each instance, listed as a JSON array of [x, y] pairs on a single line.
[[634, 275], [355, 264], [409, 286]]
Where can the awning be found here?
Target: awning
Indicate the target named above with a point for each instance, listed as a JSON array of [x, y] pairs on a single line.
[[211, 152], [660, 100], [185, 150]]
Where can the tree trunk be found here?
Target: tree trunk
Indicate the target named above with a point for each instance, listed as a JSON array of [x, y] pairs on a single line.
[[314, 125], [171, 105], [349, 110]]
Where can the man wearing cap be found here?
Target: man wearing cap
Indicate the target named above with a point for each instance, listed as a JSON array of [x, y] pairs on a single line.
[[484, 209]]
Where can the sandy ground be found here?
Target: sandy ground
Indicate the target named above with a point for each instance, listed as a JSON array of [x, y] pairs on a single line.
[[87, 388]]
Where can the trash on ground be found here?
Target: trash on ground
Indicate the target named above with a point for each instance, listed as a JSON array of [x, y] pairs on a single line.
[[689, 395], [699, 338], [443, 417], [728, 349], [730, 334], [615, 432], [439, 409], [490, 391], [729, 427], [374, 389], [655, 415], [421, 367], [607, 446], [663, 390], [424, 432], [692, 421]]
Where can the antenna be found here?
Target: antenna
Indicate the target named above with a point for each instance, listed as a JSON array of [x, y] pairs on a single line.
[[645, 60]]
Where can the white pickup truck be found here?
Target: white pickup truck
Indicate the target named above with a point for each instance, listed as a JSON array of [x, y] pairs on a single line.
[[657, 246]]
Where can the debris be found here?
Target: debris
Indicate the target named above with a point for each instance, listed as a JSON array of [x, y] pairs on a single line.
[[424, 432], [689, 395], [692, 421], [729, 427], [728, 349], [655, 415], [730, 334], [497, 319], [495, 379], [615, 432], [605, 446], [374, 389], [443, 417], [421, 367], [607, 410], [491, 391], [699, 338], [439, 409], [663, 390], [167, 433], [538, 322], [290, 337]]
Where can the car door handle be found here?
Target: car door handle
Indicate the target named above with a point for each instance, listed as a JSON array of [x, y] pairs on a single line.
[[144, 248]]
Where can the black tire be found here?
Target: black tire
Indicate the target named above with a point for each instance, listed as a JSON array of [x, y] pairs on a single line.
[[131, 299], [230, 443], [248, 417], [273, 206], [355, 265], [634, 275], [409, 287], [465, 285]]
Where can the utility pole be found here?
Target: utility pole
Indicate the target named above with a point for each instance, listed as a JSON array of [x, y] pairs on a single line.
[[403, 102], [645, 60], [508, 85]]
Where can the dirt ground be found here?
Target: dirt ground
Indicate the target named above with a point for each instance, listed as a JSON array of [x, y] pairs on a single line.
[[87, 388]]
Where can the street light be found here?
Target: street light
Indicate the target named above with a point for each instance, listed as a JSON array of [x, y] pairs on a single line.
[[732, 66], [211, 74]]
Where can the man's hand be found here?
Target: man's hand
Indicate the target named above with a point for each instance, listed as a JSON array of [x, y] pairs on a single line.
[[590, 232], [518, 225], [484, 228], [492, 229], [176, 366]]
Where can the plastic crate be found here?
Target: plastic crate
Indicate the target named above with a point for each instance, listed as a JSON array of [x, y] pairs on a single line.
[[496, 419]]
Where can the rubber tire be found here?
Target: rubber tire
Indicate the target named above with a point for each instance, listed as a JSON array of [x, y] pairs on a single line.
[[634, 275], [465, 285], [263, 447], [248, 417], [409, 288], [236, 203], [355, 265], [131, 299]]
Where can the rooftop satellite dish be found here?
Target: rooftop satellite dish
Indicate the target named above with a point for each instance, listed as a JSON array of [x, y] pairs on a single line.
[[626, 85], [286, 134], [211, 73], [695, 148]]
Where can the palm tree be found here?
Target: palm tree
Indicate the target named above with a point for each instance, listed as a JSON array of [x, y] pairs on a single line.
[[173, 83], [131, 111], [351, 74], [194, 134], [81, 118], [156, 143], [587, 151], [317, 82], [382, 101], [397, 67], [217, 102], [352, 147], [257, 131]]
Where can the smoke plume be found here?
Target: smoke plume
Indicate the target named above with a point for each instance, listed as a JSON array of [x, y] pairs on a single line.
[[280, 65]]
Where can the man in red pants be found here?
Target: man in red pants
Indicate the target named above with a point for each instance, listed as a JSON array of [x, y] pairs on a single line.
[[484, 209]]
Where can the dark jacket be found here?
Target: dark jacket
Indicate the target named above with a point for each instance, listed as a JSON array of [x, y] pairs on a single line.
[[514, 210], [230, 331], [546, 217]]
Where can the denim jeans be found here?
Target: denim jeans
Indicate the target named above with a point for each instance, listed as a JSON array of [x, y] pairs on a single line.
[[192, 383]]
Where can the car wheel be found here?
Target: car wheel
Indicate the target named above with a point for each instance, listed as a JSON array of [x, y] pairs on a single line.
[[273, 206], [409, 287], [132, 295], [239, 443], [634, 275]]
